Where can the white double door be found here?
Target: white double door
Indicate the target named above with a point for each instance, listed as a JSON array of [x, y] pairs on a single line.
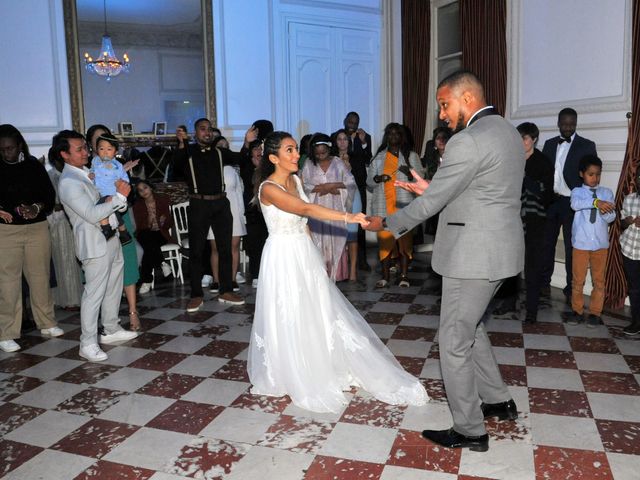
[[331, 71]]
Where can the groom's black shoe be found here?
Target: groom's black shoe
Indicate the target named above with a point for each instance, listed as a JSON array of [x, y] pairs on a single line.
[[452, 439], [502, 410]]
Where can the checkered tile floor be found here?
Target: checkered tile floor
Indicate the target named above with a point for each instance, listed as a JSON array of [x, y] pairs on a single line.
[[174, 403]]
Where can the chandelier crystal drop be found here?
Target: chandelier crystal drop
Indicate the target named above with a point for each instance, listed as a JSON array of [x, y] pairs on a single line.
[[107, 65]]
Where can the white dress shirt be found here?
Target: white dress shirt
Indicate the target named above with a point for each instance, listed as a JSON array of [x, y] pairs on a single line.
[[559, 185]]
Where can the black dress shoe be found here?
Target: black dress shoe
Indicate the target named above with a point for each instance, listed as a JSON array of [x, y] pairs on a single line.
[[452, 439], [531, 318], [502, 410]]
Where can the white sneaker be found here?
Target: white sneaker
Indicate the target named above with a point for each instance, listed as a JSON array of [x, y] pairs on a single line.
[[240, 278], [166, 269], [119, 336], [254, 283], [206, 281], [144, 288], [93, 353], [52, 332], [9, 346]]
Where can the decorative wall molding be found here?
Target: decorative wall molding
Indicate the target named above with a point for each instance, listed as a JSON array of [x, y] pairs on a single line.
[[621, 101], [343, 6], [130, 35]]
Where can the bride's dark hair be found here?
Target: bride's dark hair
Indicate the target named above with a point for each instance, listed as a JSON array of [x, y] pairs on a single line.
[[272, 143]]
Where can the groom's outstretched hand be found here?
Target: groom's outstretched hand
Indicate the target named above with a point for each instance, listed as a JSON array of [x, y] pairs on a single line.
[[417, 187], [375, 224]]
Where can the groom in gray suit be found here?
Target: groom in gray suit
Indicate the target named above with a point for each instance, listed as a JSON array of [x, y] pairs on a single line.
[[101, 258], [480, 242]]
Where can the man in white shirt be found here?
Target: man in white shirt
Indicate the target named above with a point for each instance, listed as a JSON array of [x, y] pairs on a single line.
[[564, 152]]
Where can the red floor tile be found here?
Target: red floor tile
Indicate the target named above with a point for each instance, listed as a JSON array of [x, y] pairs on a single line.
[[88, 373], [13, 416], [297, 434], [610, 382], [544, 328], [412, 365], [418, 309], [372, 412], [206, 330], [16, 385], [620, 437], [103, 470], [435, 389], [14, 454], [235, 370], [414, 333], [556, 463], [595, 345], [634, 363], [397, 298], [186, 417], [92, 401], [549, 358], [20, 361], [208, 458], [506, 339], [384, 318], [95, 438], [412, 451], [559, 402], [340, 469], [150, 341], [514, 375], [170, 385], [262, 403], [161, 361], [222, 349]]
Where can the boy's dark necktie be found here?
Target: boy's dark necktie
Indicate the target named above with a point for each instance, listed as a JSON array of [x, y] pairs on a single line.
[[594, 211]]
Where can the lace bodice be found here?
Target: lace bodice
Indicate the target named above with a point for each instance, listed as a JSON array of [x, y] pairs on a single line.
[[280, 222]]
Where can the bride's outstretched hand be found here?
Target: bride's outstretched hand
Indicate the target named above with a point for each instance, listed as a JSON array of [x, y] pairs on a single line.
[[417, 187], [360, 218]]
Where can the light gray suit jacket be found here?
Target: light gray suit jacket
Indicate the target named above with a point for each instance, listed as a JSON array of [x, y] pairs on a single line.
[[78, 196], [478, 188]]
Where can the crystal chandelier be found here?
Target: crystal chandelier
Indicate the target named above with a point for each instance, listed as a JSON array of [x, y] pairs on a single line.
[[107, 64]]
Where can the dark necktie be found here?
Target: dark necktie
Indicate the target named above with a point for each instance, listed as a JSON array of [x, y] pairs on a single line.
[[563, 139], [594, 211]]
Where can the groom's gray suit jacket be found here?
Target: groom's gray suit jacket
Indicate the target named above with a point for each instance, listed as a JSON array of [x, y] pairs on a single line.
[[478, 188]]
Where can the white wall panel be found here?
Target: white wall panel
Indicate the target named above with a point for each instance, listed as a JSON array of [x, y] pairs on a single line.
[[33, 80]]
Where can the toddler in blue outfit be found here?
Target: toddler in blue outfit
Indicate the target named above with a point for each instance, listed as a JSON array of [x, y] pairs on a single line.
[[106, 170]]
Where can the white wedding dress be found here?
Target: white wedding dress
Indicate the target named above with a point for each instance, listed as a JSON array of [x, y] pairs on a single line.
[[307, 340]]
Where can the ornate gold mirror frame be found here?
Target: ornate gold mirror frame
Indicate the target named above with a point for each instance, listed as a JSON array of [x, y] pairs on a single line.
[[74, 65]]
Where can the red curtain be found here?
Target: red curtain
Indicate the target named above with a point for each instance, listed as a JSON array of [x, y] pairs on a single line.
[[615, 283], [484, 46], [416, 36]]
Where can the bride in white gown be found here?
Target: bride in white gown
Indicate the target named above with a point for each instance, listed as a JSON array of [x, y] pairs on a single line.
[[307, 340]]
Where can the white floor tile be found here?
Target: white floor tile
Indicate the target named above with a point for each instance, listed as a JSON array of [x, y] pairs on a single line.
[[136, 409], [262, 463], [509, 356], [128, 379], [383, 331], [601, 362], [237, 334], [52, 347], [199, 365], [567, 432], [624, 466], [390, 307], [359, 442], [215, 391], [392, 472], [628, 347], [546, 342], [432, 416], [149, 448], [49, 395], [51, 465], [239, 425], [415, 320], [185, 344], [51, 368], [608, 406], [47, 429], [505, 459], [122, 356], [554, 378], [431, 369], [163, 313], [503, 325]]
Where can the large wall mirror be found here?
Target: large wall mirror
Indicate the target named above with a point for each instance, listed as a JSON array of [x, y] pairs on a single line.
[[170, 48]]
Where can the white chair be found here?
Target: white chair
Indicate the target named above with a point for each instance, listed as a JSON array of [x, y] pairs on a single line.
[[172, 255], [181, 226]]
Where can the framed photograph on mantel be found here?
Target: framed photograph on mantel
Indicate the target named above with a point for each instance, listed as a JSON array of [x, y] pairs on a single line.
[[159, 128], [125, 129]]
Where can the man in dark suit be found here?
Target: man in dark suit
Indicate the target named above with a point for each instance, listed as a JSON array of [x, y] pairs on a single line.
[[360, 158], [564, 152]]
